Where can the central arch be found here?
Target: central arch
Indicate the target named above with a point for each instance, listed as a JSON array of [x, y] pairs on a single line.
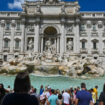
[[50, 40], [50, 31]]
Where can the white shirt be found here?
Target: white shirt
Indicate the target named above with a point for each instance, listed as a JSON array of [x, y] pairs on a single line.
[[47, 94], [66, 98]]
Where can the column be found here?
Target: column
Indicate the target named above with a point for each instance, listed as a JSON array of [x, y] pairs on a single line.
[[36, 39], [23, 44], [1, 37], [65, 44], [62, 40], [100, 43], [12, 36], [57, 44], [42, 45], [89, 42], [76, 47]]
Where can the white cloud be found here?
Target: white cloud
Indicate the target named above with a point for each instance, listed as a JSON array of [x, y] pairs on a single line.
[[16, 4]]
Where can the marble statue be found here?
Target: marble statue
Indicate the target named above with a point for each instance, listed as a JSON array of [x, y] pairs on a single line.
[[62, 9], [70, 45], [48, 46], [38, 8], [53, 49], [69, 29], [30, 45], [50, 1], [30, 28]]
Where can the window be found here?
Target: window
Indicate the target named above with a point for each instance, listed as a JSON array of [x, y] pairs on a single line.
[[95, 57], [5, 57], [18, 26], [94, 27], [7, 26], [94, 45], [6, 43], [16, 44], [83, 57], [83, 45], [82, 28], [16, 56], [93, 15], [8, 14]]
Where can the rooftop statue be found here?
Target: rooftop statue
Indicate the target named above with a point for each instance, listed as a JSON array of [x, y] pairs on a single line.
[[51, 1]]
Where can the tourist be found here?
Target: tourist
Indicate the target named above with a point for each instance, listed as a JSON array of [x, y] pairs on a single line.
[[53, 99], [102, 97], [83, 97], [60, 100], [49, 89], [42, 99], [93, 96], [66, 98], [46, 94], [35, 93], [32, 90], [41, 89], [8, 88], [2, 92], [21, 94], [78, 88], [74, 96], [96, 92]]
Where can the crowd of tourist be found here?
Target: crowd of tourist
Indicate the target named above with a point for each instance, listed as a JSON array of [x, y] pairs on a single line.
[[25, 94]]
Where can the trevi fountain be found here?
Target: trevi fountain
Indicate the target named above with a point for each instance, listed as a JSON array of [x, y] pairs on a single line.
[[50, 46], [50, 63]]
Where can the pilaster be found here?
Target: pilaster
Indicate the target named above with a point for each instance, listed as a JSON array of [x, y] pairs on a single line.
[[23, 36], [77, 37], [1, 35], [36, 38], [62, 40], [12, 36]]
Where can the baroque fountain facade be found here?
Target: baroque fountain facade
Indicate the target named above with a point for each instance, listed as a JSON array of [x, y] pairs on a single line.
[[54, 37]]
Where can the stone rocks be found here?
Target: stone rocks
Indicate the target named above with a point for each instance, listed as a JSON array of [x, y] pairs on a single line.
[[67, 65]]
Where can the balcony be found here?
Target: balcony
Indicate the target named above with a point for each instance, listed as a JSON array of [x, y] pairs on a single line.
[[95, 51], [83, 50], [7, 49], [17, 49]]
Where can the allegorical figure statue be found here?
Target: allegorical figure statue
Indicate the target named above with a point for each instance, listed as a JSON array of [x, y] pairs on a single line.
[[51, 1], [70, 45], [48, 46], [30, 45]]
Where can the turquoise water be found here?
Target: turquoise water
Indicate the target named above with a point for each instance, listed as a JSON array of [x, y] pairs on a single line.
[[57, 82]]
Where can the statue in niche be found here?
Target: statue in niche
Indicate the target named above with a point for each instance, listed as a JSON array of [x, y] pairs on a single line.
[[53, 49], [38, 8], [48, 46], [51, 1], [30, 45], [69, 45]]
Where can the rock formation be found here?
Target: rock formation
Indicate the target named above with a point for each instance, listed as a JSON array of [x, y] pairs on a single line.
[[63, 65]]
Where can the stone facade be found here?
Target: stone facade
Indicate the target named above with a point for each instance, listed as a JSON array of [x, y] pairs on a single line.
[[52, 26]]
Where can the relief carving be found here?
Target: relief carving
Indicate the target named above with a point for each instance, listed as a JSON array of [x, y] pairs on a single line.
[[70, 29], [30, 28], [70, 10]]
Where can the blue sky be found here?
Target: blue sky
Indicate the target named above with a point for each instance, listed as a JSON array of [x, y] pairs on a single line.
[[86, 5]]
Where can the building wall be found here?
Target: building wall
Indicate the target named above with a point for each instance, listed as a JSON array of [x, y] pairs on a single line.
[[70, 23]]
